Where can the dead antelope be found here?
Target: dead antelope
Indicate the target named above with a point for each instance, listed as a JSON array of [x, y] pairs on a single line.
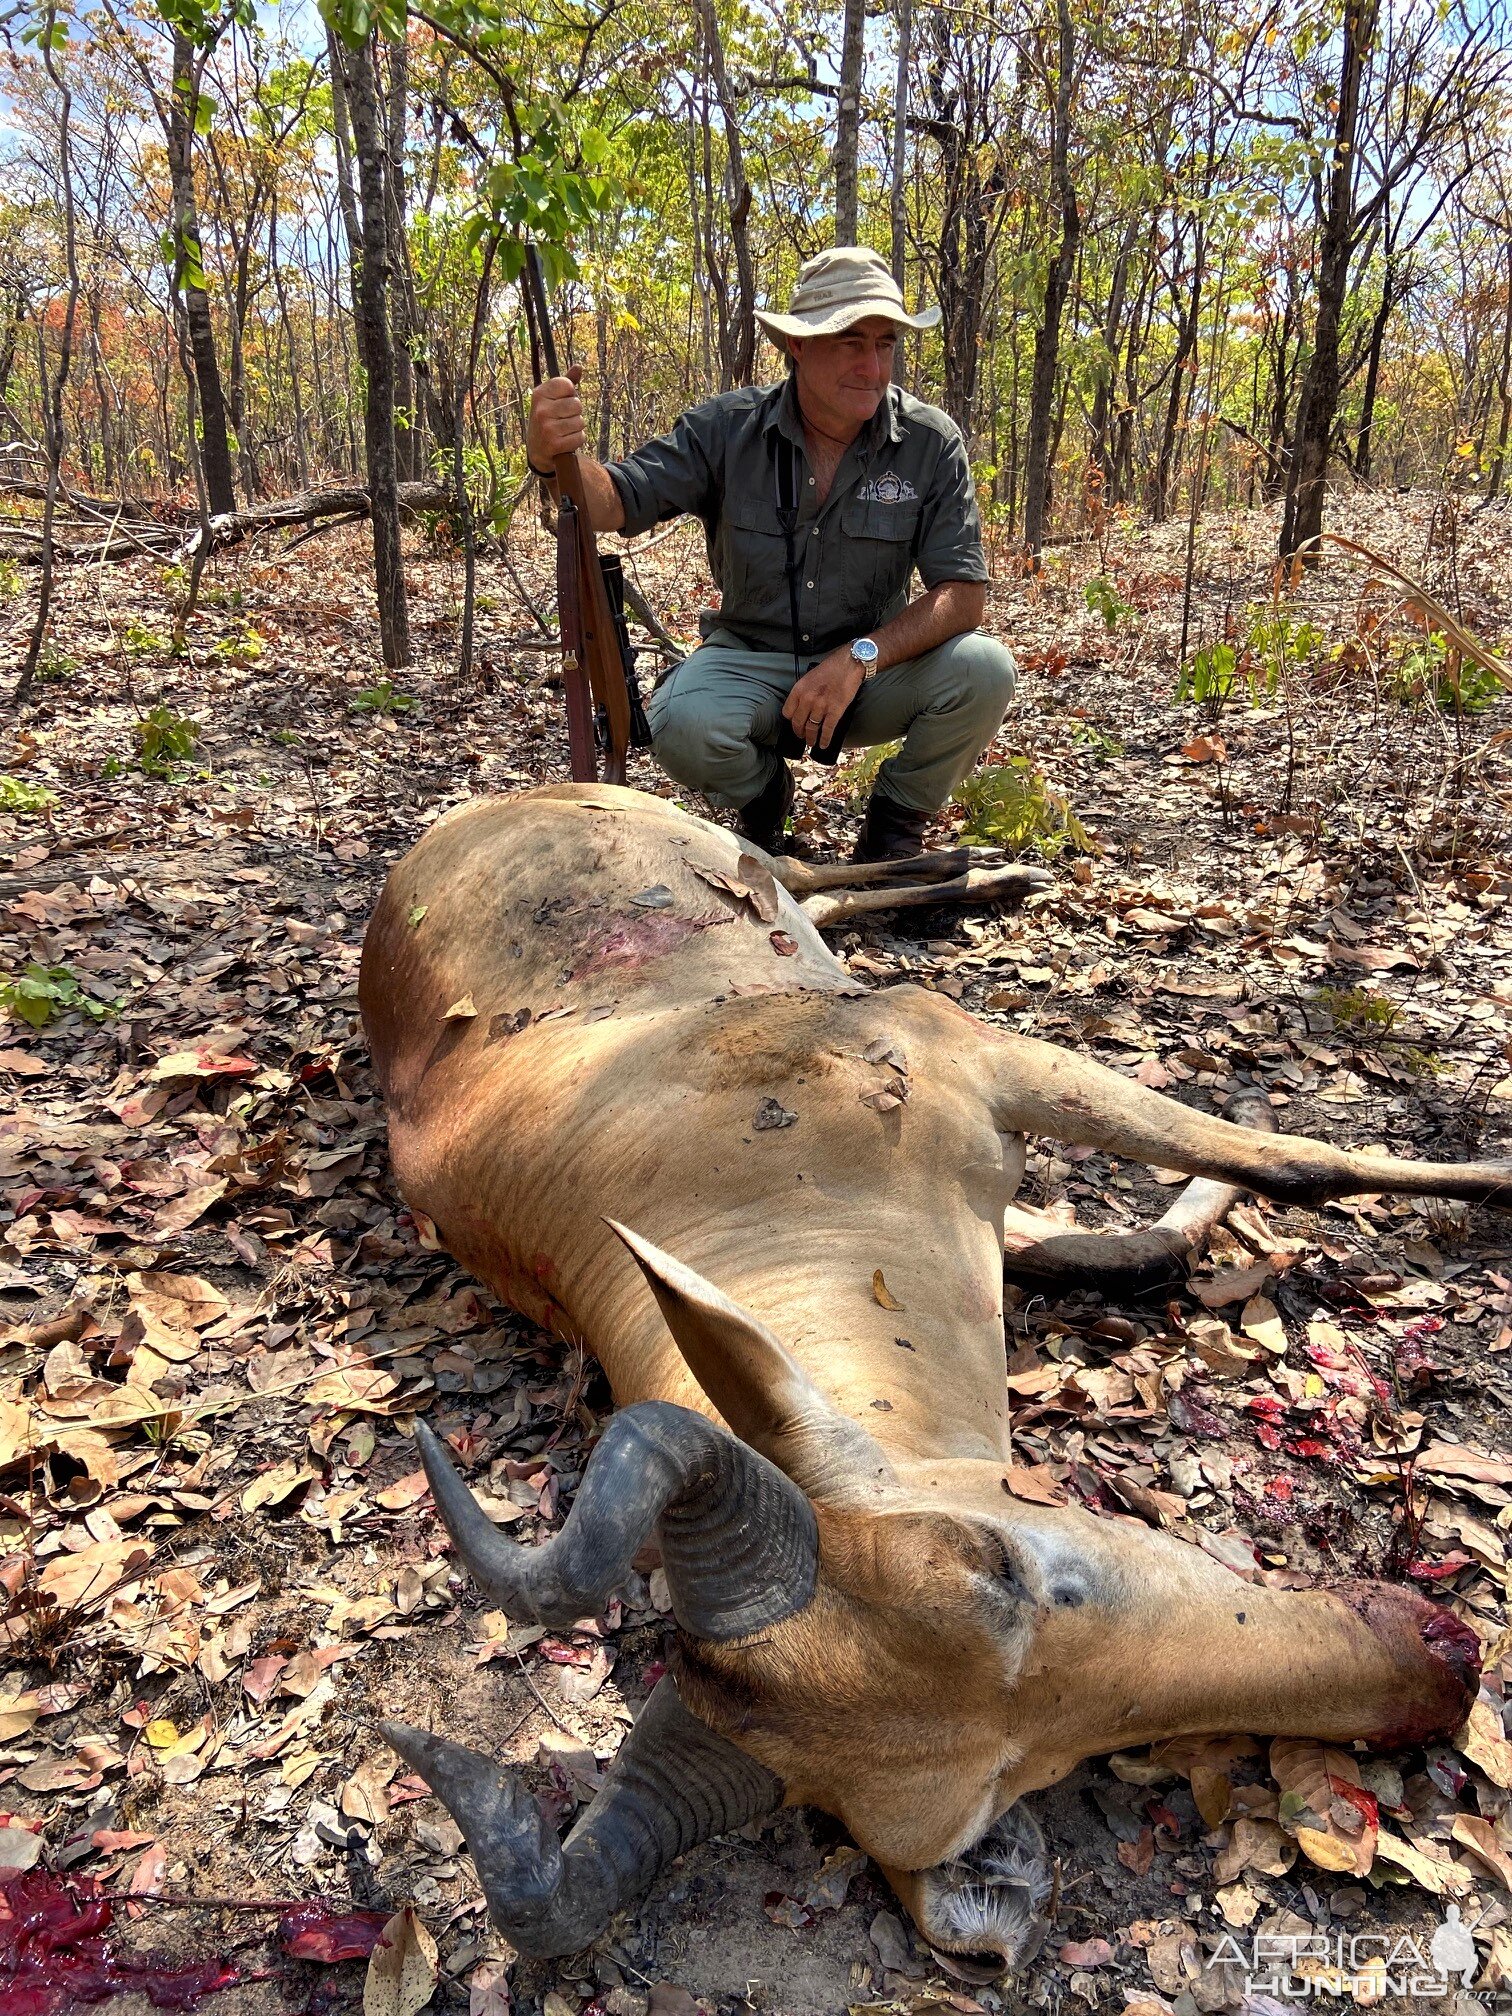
[[665, 1060]]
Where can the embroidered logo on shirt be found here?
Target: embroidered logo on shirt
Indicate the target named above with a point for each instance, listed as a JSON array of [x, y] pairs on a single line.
[[887, 489]]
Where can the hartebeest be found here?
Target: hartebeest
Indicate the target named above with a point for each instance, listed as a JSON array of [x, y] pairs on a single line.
[[868, 1622]]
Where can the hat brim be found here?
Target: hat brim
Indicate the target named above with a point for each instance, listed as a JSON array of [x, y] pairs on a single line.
[[834, 320]]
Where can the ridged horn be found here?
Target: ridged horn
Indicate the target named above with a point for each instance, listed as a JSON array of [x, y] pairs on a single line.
[[674, 1783], [739, 1542]]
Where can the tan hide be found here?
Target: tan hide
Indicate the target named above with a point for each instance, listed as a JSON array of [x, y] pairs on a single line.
[[653, 1047]]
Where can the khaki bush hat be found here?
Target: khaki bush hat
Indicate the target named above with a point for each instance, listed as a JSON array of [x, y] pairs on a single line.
[[838, 289]]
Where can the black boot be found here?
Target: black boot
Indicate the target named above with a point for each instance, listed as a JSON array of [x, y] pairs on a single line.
[[890, 832], [763, 820]]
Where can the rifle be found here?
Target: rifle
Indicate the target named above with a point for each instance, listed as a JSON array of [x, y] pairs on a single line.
[[598, 662]]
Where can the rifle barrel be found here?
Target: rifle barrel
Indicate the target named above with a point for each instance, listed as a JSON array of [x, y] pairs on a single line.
[[536, 281]]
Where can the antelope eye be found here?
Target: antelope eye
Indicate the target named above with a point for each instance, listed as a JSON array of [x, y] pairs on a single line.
[[1004, 1570]]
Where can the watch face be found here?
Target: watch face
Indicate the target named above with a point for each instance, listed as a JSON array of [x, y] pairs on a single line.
[[864, 651]]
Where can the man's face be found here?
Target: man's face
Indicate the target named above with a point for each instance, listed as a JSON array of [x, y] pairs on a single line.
[[842, 379]]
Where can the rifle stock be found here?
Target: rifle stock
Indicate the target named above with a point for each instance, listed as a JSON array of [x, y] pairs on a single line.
[[598, 671]]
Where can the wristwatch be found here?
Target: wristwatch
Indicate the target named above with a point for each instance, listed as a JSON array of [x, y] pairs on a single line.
[[864, 651]]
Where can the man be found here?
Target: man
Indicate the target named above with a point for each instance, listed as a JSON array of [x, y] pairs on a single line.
[[819, 498]]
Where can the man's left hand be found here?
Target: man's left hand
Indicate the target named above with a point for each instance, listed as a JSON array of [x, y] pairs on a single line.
[[822, 695]]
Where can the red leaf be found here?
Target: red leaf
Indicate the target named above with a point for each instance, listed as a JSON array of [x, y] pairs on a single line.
[[1086, 1953]]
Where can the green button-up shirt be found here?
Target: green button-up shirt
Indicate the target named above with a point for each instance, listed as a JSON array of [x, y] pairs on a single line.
[[902, 499]]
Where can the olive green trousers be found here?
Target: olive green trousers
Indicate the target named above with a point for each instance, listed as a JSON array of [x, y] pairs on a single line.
[[715, 721]]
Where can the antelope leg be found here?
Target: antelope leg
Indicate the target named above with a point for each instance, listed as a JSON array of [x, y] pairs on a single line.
[[977, 885], [1156, 1256], [1039, 1089], [804, 878]]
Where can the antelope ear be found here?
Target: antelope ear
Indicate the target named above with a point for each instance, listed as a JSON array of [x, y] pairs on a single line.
[[758, 1386]]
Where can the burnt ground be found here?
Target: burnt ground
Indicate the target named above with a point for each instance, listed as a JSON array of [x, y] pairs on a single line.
[[218, 1564]]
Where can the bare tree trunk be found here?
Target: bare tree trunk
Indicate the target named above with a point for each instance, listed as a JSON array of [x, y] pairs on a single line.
[[1363, 445], [359, 82], [51, 393], [904, 11], [848, 123], [19, 305], [1303, 518], [1503, 390], [408, 422], [1181, 377], [275, 263], [742, 342], [1102, 403], [1057, 285], [188, 276]]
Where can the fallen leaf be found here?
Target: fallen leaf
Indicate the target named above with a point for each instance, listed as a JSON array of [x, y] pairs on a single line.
[[1035, 1483], [1205, 749], [1484, 1742], [364, 1796], [1213, 1794], [201, 1063], [1085, 1953], [72, 1579], [1255, 1844], [401, 1976], [881, 1296], [1261, 1320], [1480, 1837], [277, 1484], [1450, 1459], [1232, 1284], [407, 1491], [667, 1999], [1324, 1805], [1217, 1347], [1239, 1905], [17, 1714], [147, 1876], [1440, 1877], [19, 1848], [488, 1989]]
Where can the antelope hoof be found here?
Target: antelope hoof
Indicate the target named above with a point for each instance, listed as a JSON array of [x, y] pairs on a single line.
[[988, 1909]]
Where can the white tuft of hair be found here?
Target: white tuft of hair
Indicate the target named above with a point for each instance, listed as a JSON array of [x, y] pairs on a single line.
[[992, 1898]]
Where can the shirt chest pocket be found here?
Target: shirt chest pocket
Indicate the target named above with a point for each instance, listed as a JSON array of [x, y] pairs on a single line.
[[877, 550], [753, 582]]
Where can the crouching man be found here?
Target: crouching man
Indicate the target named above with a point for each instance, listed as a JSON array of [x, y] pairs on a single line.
[[819, 497]]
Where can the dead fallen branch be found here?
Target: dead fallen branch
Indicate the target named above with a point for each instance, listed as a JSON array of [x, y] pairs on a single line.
[[169, 532]]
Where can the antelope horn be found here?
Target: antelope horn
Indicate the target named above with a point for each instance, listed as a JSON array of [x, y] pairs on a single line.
[[674, 1783], [739, 1542]]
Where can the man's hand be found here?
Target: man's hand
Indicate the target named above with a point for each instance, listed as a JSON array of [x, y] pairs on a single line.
[[822, 695], [556, 425]]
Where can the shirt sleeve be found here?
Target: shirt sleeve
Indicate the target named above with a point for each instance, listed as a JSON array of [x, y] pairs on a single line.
[[678, 472], [950, 530]]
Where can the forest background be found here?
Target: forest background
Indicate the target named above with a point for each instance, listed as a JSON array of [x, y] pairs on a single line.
[[1185, 254]]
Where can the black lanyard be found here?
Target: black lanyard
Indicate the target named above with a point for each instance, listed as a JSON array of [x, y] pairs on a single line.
[[787, 518]]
